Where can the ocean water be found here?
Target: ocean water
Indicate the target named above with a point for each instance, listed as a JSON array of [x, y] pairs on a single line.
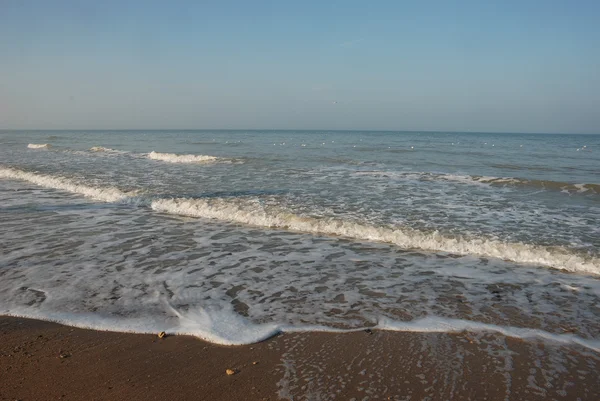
[[234, 236]]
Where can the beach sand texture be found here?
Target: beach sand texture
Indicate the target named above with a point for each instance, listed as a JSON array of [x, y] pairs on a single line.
[[47, 361]]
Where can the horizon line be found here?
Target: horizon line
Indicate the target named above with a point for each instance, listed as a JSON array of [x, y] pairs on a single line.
[[293, 129]]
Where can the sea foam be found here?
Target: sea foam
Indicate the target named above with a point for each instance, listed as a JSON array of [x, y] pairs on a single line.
[[586, 188], [39, 146], [105, 194], [175, 158], [254, 214], [106, 150], [225, 327]]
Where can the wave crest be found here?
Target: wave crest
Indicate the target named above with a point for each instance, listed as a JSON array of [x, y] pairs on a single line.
[[494, 181], [544, 184], [39, 146], [175, 158], [252, 213], [105, 194], [105, 150]]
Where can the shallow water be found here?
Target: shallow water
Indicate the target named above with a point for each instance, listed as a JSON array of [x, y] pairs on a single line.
[[235, 235]]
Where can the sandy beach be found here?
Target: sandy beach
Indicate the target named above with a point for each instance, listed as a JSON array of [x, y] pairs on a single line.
[[299, 201], [47, 361]]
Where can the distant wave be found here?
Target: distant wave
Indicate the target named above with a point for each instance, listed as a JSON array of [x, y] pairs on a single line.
[[248, 210], [105, 194], [550, 185], [165, 157], [106, 150], [523, 182], [175, 158], [494, 181]]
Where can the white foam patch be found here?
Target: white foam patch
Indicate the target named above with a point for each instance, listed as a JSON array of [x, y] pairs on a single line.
[[252, 213], [217, 327], [39, 146], [224, 327], [483, 180], [105, 194], [175, 158], [106, 150], [430, 176], [476, 179], [445, 325]]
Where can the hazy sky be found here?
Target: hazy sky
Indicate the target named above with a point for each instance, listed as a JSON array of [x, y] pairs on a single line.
[[518, 66]]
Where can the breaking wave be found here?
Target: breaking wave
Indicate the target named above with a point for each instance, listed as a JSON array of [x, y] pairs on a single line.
[[252, 213], [541, 184], [165, 157], [105, 194], [106, 150], [175, 158], [39, 146], [494, 181]]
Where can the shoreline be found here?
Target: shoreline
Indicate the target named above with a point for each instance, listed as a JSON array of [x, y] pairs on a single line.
[[41, 360], [425, 325]]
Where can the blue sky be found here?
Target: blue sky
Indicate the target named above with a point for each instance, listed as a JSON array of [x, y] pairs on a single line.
[[511, 66]]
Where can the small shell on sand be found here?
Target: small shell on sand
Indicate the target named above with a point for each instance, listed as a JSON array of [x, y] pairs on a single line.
[[230, 372], [162, 334]]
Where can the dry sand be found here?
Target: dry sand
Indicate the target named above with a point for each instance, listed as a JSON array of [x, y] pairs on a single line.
[[48, 361]]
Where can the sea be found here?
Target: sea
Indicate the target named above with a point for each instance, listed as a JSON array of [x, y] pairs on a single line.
[[235, 236]]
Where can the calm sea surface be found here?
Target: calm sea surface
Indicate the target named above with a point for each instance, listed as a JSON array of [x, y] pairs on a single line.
[[236, 235]]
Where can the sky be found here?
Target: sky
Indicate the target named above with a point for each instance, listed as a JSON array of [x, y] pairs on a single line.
[[509, 66]]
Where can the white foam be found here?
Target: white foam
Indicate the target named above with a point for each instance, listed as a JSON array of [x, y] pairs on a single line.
[[175, 158], [428, 176], [105, 194], [225, 327], [477, 179], [99, 149], [217, 327], [39, 146], [251, 212], [106, 150], [482, 180], [434, 324], [242, 211]]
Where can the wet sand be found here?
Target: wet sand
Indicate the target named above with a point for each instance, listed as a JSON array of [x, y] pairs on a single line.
[[47, 361]]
